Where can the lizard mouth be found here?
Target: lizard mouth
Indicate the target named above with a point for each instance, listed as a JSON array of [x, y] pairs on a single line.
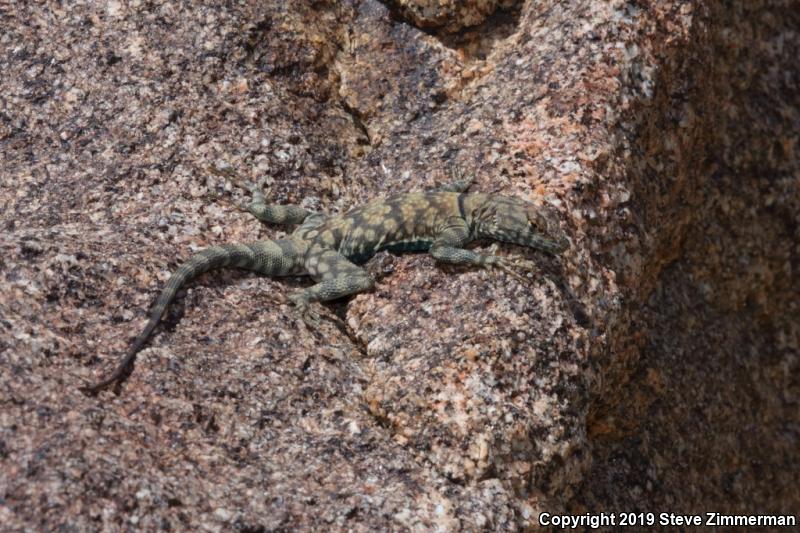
[[544, 232], [550, 245], [533, 237]]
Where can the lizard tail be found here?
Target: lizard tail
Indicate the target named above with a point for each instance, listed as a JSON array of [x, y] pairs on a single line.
[[267, 257]]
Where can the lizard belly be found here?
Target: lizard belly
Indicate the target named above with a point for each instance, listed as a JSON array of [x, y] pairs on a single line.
[[399, 247], [418, 245]]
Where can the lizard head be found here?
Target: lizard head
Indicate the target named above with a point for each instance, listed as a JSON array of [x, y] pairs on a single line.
[[512, 220]]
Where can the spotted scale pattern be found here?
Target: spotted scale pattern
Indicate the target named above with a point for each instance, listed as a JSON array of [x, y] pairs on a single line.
[[330, 249]]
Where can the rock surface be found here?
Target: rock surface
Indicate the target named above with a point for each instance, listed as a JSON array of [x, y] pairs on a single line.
[[653, 366]]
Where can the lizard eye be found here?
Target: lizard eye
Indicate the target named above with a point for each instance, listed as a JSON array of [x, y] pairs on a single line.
[[535, 217]]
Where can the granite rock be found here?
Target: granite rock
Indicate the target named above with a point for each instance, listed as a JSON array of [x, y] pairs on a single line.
[[654, 365]]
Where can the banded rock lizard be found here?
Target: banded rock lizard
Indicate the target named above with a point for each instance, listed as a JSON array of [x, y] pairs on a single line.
[[330, 249]]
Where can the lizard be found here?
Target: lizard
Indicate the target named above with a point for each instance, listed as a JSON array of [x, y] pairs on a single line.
[[331, 248]]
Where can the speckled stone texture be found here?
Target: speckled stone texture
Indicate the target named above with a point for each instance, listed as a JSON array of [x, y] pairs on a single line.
[[449, 15], [653, 366]]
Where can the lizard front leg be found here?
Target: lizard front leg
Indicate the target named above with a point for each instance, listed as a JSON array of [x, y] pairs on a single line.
[[448, 248]]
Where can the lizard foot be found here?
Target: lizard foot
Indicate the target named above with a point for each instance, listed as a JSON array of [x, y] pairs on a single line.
[[256, 190], [303, 307], [457, 180], [217, 197], [514, 266], [229, 175]]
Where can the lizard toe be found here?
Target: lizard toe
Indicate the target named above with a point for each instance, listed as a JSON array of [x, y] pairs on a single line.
[[304, 309], [512, 267]]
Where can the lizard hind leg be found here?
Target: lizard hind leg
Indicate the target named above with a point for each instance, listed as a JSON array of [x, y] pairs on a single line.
[[336, 277], [259, 207]]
